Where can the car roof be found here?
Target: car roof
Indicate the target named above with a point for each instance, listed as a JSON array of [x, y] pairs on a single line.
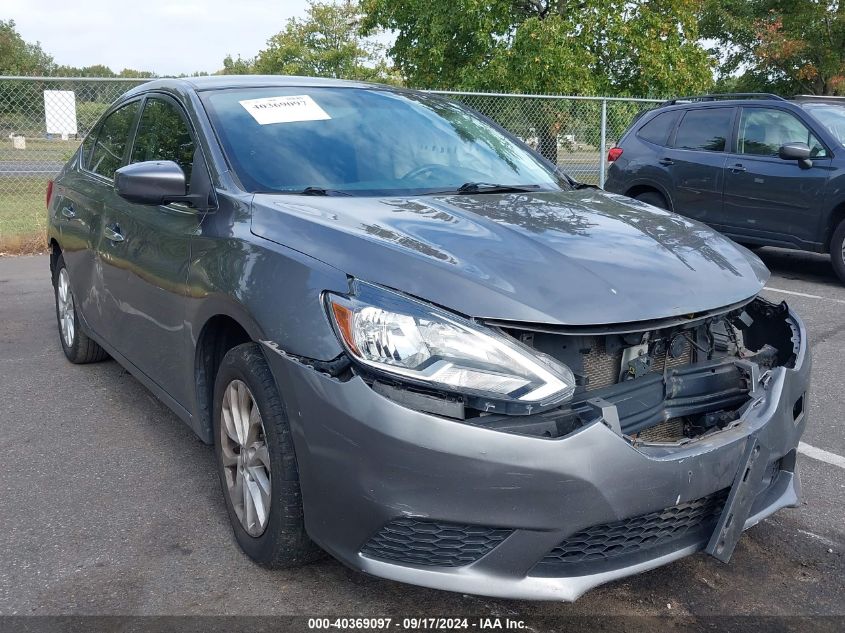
[[715, 101], [821, 105], [745, 99], [819, 99], [223, 82]]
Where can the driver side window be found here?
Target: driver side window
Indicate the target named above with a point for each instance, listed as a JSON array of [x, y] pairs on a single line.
[[163, 134], [763, 130], [108, 150]]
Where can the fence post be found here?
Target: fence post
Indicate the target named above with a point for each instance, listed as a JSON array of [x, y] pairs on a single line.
[[603, 144]]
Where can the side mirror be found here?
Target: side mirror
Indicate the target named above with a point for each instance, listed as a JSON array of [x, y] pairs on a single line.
[[796, 151], [151, 182]]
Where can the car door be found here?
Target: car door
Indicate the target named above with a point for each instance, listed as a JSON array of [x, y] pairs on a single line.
[[147, 251], [769, 198], [696, 162], [83, 193]]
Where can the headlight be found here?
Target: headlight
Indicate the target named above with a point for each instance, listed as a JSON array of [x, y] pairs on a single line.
[[405, 338]]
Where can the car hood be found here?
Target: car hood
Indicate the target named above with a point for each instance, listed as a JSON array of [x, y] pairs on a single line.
[[583, 257]]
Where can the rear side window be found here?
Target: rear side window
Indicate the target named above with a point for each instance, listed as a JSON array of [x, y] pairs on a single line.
[[705, 129], [163, 135], [107, 155], [659, 128]]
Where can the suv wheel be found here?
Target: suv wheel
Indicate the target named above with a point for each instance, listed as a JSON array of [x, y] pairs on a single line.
[[654, 199], [78, 348], [837, 251], [256, 462]]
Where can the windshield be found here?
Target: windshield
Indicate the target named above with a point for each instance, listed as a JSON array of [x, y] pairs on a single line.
[[832, 117], [364, 142]]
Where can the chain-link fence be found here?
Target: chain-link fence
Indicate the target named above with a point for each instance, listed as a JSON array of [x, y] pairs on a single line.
[[43, 120], [574, 132]]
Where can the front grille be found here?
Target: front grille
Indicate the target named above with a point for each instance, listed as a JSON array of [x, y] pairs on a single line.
[[423, 542], [667, 529], [602, 369], [668, 431], [662, 360]]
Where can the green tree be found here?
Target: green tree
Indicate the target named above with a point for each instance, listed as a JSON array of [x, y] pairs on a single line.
[[131, 73], [239, 66], [784, 46], [18, 57], [577, 47], [326, 43], [633, 47], [97, 70]]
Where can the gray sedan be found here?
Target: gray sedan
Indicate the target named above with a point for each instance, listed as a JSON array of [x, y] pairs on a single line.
[[416, 345]]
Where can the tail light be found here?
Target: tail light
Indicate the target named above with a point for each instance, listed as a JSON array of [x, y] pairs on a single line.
[[49, 192], [614, 153]]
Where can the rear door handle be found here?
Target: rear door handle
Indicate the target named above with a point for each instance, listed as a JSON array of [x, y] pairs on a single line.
[[113, 234], [68, 212], [735, 169], [666, 161]]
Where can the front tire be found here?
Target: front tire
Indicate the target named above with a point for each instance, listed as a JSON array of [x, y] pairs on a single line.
[[256, 462], [77, 346], [837, 251], [653, 198]]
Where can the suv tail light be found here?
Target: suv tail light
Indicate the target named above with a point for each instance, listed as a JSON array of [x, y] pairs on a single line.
[[614, 153], [49, 192]]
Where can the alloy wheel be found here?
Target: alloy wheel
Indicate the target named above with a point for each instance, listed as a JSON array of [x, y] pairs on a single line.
[[245, 457], [67, 315]]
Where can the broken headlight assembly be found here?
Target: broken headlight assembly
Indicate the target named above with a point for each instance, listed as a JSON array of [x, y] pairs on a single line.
[[409, 341]]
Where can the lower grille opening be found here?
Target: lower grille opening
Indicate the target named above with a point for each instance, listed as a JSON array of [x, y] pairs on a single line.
[[422, 542], [667, 432], [647, 535]]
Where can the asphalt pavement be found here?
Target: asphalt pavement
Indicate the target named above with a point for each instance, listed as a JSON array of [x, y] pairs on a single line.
[[110, 505]]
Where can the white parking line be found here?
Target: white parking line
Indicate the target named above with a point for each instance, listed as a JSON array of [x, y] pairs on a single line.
[[821, 455], [821, 538], [804, 294]]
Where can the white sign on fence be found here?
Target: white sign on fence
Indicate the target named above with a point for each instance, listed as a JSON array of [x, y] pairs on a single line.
[[60, 112]]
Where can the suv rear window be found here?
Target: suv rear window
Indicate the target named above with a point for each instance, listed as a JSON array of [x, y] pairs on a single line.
[[705, 129], [659, 128]]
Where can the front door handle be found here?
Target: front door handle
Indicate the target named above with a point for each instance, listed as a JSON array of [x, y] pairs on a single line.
[[666, 161], [735, 169], [113, 234], [68, 212]]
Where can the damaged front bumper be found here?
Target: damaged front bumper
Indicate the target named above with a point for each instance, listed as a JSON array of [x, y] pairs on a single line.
[[426, 500]]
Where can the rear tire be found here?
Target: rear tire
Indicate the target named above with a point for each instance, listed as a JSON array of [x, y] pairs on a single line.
[[77, 346], [257, 464], [837, 251], [653, 198]]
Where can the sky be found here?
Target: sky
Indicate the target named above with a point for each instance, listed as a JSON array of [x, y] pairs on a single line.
[[168, 37]]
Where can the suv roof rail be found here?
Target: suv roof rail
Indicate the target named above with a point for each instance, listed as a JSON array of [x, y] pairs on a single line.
[[724, 95]]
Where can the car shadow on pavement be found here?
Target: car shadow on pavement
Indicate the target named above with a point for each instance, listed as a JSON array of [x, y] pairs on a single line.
[[799, 265]]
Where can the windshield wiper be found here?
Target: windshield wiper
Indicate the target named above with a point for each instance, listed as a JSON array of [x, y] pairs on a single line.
[[318, 191], [489, 187]]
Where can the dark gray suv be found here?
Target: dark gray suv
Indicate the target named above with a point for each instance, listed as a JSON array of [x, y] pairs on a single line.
[[417, 346], [763, 170]]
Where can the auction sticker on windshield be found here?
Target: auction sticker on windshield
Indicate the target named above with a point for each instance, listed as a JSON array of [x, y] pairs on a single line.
[[284, 109]]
